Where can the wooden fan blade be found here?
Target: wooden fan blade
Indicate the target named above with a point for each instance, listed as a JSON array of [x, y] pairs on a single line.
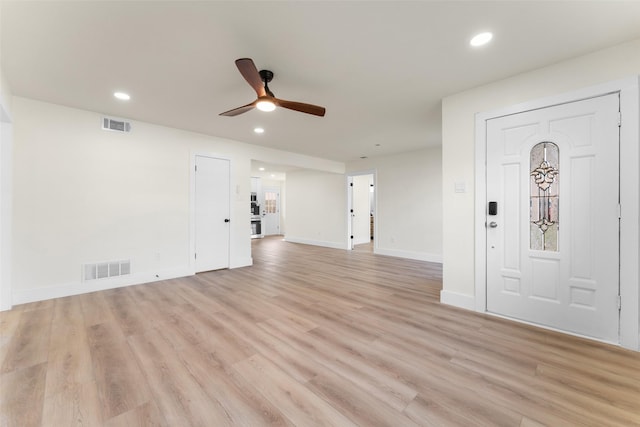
[[300, 106], [239, 110], [250, 73]]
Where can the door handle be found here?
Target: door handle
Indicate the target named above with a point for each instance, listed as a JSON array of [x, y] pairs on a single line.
[[227, 220], [493, 224]]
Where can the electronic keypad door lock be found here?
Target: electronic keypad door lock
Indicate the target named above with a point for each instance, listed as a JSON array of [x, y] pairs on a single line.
[[493, 208]]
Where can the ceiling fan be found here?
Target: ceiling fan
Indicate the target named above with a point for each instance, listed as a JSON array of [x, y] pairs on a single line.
[[266, 100]]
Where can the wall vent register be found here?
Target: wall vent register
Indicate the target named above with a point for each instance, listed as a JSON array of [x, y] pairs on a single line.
[[103, 270], [115, 125]]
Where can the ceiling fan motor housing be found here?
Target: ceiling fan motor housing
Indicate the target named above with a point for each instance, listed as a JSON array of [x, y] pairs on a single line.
[[266, 75]]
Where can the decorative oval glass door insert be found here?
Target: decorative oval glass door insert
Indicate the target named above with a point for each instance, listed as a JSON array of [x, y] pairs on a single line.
[[544, 197]]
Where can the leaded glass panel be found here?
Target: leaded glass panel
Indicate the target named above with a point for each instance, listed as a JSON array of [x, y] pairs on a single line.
[[270, 202], [544, 202]]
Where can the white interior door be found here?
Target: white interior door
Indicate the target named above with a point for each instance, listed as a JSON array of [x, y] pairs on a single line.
[[271, 211], [361, 209], [350, 213], [212, 213], [553, 243]]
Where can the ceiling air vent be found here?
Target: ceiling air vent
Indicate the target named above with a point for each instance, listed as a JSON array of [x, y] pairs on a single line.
[[116, 125]]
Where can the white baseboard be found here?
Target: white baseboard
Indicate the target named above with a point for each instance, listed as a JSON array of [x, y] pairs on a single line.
[[420, 256], [242, 262], [468, 302], [41, 294], [334, 245]]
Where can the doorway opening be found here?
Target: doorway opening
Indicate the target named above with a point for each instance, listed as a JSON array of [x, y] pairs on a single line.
[[361, 211], [268, 198]]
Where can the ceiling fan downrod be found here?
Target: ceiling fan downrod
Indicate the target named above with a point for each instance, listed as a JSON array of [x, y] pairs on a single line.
[[266, 77]]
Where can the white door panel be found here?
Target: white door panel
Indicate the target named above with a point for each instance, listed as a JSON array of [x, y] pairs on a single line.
[[212, 207], [361, 209], [552, 258], [271, 211]]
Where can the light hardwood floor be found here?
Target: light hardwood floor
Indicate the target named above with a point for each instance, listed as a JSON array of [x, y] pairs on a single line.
[[308, 336]]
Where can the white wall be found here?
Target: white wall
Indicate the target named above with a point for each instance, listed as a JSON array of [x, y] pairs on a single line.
[[6, 165], [458, 120], [316, 207], [83, 195], [409, 203]]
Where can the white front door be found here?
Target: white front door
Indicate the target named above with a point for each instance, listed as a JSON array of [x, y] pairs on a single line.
[[211, 213], [553, 232], [271, 211]]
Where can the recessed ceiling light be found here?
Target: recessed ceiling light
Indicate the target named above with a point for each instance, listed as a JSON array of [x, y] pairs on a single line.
[[273, 175], [481, 39], [260, 169], [258, 130], [122, 96]]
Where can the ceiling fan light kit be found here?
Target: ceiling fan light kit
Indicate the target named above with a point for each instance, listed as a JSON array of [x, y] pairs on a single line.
[[266, 101], [265, 105]]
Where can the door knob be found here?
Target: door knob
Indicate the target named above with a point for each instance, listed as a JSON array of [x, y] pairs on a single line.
[[227, 220], [493, 224]]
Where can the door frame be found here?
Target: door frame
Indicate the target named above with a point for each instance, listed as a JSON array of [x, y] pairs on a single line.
[[192, 207], [349, 193], [6, 203], [629, 90]]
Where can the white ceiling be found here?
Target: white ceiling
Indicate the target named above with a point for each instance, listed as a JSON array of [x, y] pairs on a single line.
[[380, 68]]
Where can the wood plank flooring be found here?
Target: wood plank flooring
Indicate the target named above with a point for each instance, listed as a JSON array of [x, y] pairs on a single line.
[[308, 336]]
